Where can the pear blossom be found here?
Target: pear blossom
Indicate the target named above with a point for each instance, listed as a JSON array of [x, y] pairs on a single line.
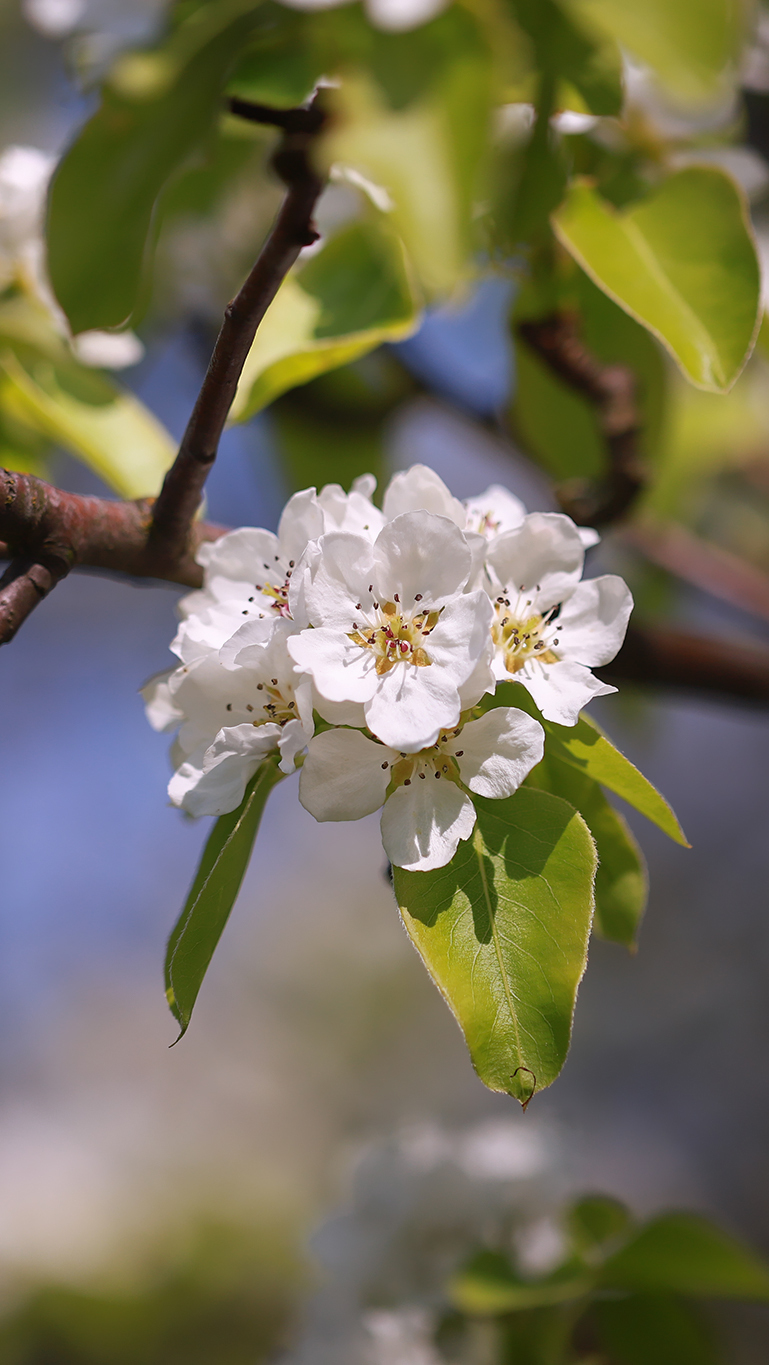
[[393, 630], [550, 628], [420, 489], [427, 810], [231, 719]]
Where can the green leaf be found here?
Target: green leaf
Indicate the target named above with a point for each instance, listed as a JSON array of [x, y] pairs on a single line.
[[621, 882], [585, 747], [690, 44], [489, 1285], [349, 298], [83, 411], [682, 262], [685, 1254], [503, 932], [567, 49], [595, 1221], [213, 892], [157, 110], [642, 1329]]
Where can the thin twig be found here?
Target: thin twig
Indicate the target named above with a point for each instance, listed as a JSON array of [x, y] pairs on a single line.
[[612, 391], [179, 498], [705, 566]]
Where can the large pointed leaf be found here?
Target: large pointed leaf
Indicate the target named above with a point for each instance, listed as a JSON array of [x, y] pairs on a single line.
[[503, 931], [585, 747], [213, 892], [621, 882], [489, 1286], [80, 409], [641, 1328], [683, 1253], [156, 111], [351, 297], [682, 262]]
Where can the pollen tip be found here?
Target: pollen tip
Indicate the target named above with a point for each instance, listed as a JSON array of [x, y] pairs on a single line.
[[385, 765]]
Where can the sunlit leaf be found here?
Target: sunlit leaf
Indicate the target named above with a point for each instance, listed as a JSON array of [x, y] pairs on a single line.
[[585, 747], [503, 932], [621, 882], [688, 43], [685, 1254], [682, 262], [156, 111], [351, 297], [80, 409], [213, 892], [641, 1328]]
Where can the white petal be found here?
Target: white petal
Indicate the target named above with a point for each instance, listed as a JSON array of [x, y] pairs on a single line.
[[422, 824], [162, 711], [340, 580], [228, 766], [301, 522], [481, 680], [293, 739], [459, 642], [353, 512], [495, 511], [365, 484], [252, 634], [340, 670], [420, 489], [562, 689], [592, 624], [420, 554], [544, 557], [339, 712], [344, 775], [411, 706], [240, 555], [498, 751], [301, 578], [588, 536]]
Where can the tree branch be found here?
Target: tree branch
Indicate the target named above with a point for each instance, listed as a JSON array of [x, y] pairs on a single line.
[[612, 391], [664, 656], [46, 532]]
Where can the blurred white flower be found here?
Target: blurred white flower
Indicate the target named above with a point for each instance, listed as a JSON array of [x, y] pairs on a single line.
[[108, 350], [53, 18]]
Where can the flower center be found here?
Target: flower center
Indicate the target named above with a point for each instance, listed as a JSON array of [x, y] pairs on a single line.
[[277, 707], [428, 763], [394, 635], [522, 635], [278, 593]]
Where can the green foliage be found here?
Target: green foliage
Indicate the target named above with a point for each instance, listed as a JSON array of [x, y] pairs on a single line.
[[156, 111], [503, 932], [640, 1328], [212, 894], [566, 50], [682, 262], [584, 746], [348, 299], [621, 882], [686, 1254]]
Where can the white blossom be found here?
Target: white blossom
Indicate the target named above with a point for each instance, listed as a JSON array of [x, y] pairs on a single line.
[[394, 632], [426, 811], [549, 627], [231, 719]]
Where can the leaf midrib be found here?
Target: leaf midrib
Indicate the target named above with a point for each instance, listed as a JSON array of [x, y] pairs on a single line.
[[478, 847]]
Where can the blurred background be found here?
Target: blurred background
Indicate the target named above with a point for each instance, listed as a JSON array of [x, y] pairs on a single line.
[[156, 1204]]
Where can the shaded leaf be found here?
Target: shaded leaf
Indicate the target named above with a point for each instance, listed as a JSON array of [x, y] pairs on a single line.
[[213, 892], [158, 108], [489, 1285], [682, 262], [640, 1329], [685, 1254], [351, 297], [574, 53], [503, 932], [595, 1221], [585, 747], [621, 881]]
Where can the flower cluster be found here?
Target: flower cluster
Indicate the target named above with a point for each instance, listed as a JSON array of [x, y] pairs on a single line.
[[359, 643]]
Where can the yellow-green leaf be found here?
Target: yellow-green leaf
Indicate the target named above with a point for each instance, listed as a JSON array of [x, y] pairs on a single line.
[[351, 297], [682, 262], [503, 931]]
